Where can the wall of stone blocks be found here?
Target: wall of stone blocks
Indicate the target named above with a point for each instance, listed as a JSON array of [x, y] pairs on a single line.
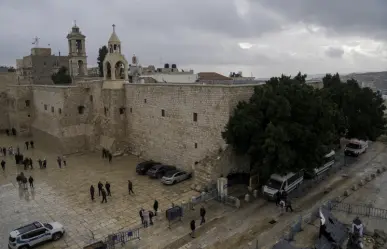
[[176, 138], [20, 108], [7, 78]]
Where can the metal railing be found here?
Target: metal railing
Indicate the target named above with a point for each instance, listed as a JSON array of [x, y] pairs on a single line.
[[122, 238], [362, 210]]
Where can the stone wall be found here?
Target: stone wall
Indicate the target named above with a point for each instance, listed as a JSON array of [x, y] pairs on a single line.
[[176, 138], [20, 108], [7, 78]]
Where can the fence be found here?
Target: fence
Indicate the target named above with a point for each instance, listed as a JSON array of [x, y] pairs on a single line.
[[296, 226], [362, 210], [341, 161], [122, 238]]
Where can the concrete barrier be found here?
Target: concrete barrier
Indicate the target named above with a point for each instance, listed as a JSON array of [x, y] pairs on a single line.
[[361, 183], [247, 198], [346, 193], [354, 187]]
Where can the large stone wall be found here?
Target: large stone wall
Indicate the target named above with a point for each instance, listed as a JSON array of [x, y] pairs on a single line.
[[6, 78], [20, 108], [176, 138], [177, 124]]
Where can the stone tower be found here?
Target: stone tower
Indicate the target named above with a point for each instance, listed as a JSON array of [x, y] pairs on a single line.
[[115, 66], [77, 52]]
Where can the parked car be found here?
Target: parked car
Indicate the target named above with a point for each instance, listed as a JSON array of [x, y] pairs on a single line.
[[175, 176], [355, 147], [158, 171], [143, 167], [34, 234]]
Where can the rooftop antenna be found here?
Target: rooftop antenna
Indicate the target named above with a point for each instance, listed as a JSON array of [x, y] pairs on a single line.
[[36, 41], [75, 23]]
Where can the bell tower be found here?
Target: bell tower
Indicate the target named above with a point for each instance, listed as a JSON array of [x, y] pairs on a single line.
[[115, 66], [77, 52]]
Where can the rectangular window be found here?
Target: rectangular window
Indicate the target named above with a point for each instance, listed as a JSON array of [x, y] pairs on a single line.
[[52, 109], [60, 111], [163, 113], [196, 145], [45, 107], [91, 98], [131, 110], [81, 109], [122, 110], [145, 101], [195, 117], [105, 110], [27, 103]]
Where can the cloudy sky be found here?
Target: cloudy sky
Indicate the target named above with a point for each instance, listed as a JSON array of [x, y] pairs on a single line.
[[260, 37]]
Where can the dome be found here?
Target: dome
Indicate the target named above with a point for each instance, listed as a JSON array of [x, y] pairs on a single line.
[[114, 38]]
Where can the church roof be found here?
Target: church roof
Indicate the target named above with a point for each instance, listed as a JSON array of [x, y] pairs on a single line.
[[114, 38]]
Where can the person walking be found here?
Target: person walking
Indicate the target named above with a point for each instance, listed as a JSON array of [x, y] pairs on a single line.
[[64, 160], [26, 143], [44, 163], [288, 204], [59, 160], [40, 163], [151, 214], [193, 227], [103, 196], [282, 206], [26, 162], [4, 151], [145, 214], [110, 157], [277, 198], [92, 192], [32, 144], [100, 186], [31, 181], [103, 153], [7, 131], [130, 187], [107, 186], [3, 165], [141, 215], [155, 206], [31, 163], [202, 214]]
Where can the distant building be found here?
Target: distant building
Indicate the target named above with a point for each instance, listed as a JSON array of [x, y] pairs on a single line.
[[93, 71], [38, 67], [167, 74], [213, 78]]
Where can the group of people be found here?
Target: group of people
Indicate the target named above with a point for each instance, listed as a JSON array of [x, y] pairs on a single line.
[[11, 132], [107, 154], [283, 201], [101, 191], [61, 160], [22, 181], [193, 222]]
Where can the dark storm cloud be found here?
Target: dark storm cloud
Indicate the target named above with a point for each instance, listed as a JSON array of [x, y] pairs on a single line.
[[356, 17], [334, 52]]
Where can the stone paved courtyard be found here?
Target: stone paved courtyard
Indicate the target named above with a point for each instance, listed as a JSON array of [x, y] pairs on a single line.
[[63, 195]]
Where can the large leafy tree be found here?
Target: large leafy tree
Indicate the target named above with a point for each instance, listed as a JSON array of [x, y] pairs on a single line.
[[361, 109], [102, 52], [286, 126], [62, 76]]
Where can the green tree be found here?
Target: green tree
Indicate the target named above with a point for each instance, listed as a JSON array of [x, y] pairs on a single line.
[[361, 110], [102, 52], [11, 69], [286, 126], [61, 77]]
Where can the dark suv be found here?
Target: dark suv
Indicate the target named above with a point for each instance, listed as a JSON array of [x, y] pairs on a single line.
[[158, 171], [143, 167]]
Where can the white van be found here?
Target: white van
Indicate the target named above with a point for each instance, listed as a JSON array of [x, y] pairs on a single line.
[[355, 147], [277, 183], [328, 161]]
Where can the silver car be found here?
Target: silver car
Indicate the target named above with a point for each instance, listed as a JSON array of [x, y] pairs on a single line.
[[175, 176]]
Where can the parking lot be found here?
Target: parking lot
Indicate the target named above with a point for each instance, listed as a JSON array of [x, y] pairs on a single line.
[[63, 195]]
